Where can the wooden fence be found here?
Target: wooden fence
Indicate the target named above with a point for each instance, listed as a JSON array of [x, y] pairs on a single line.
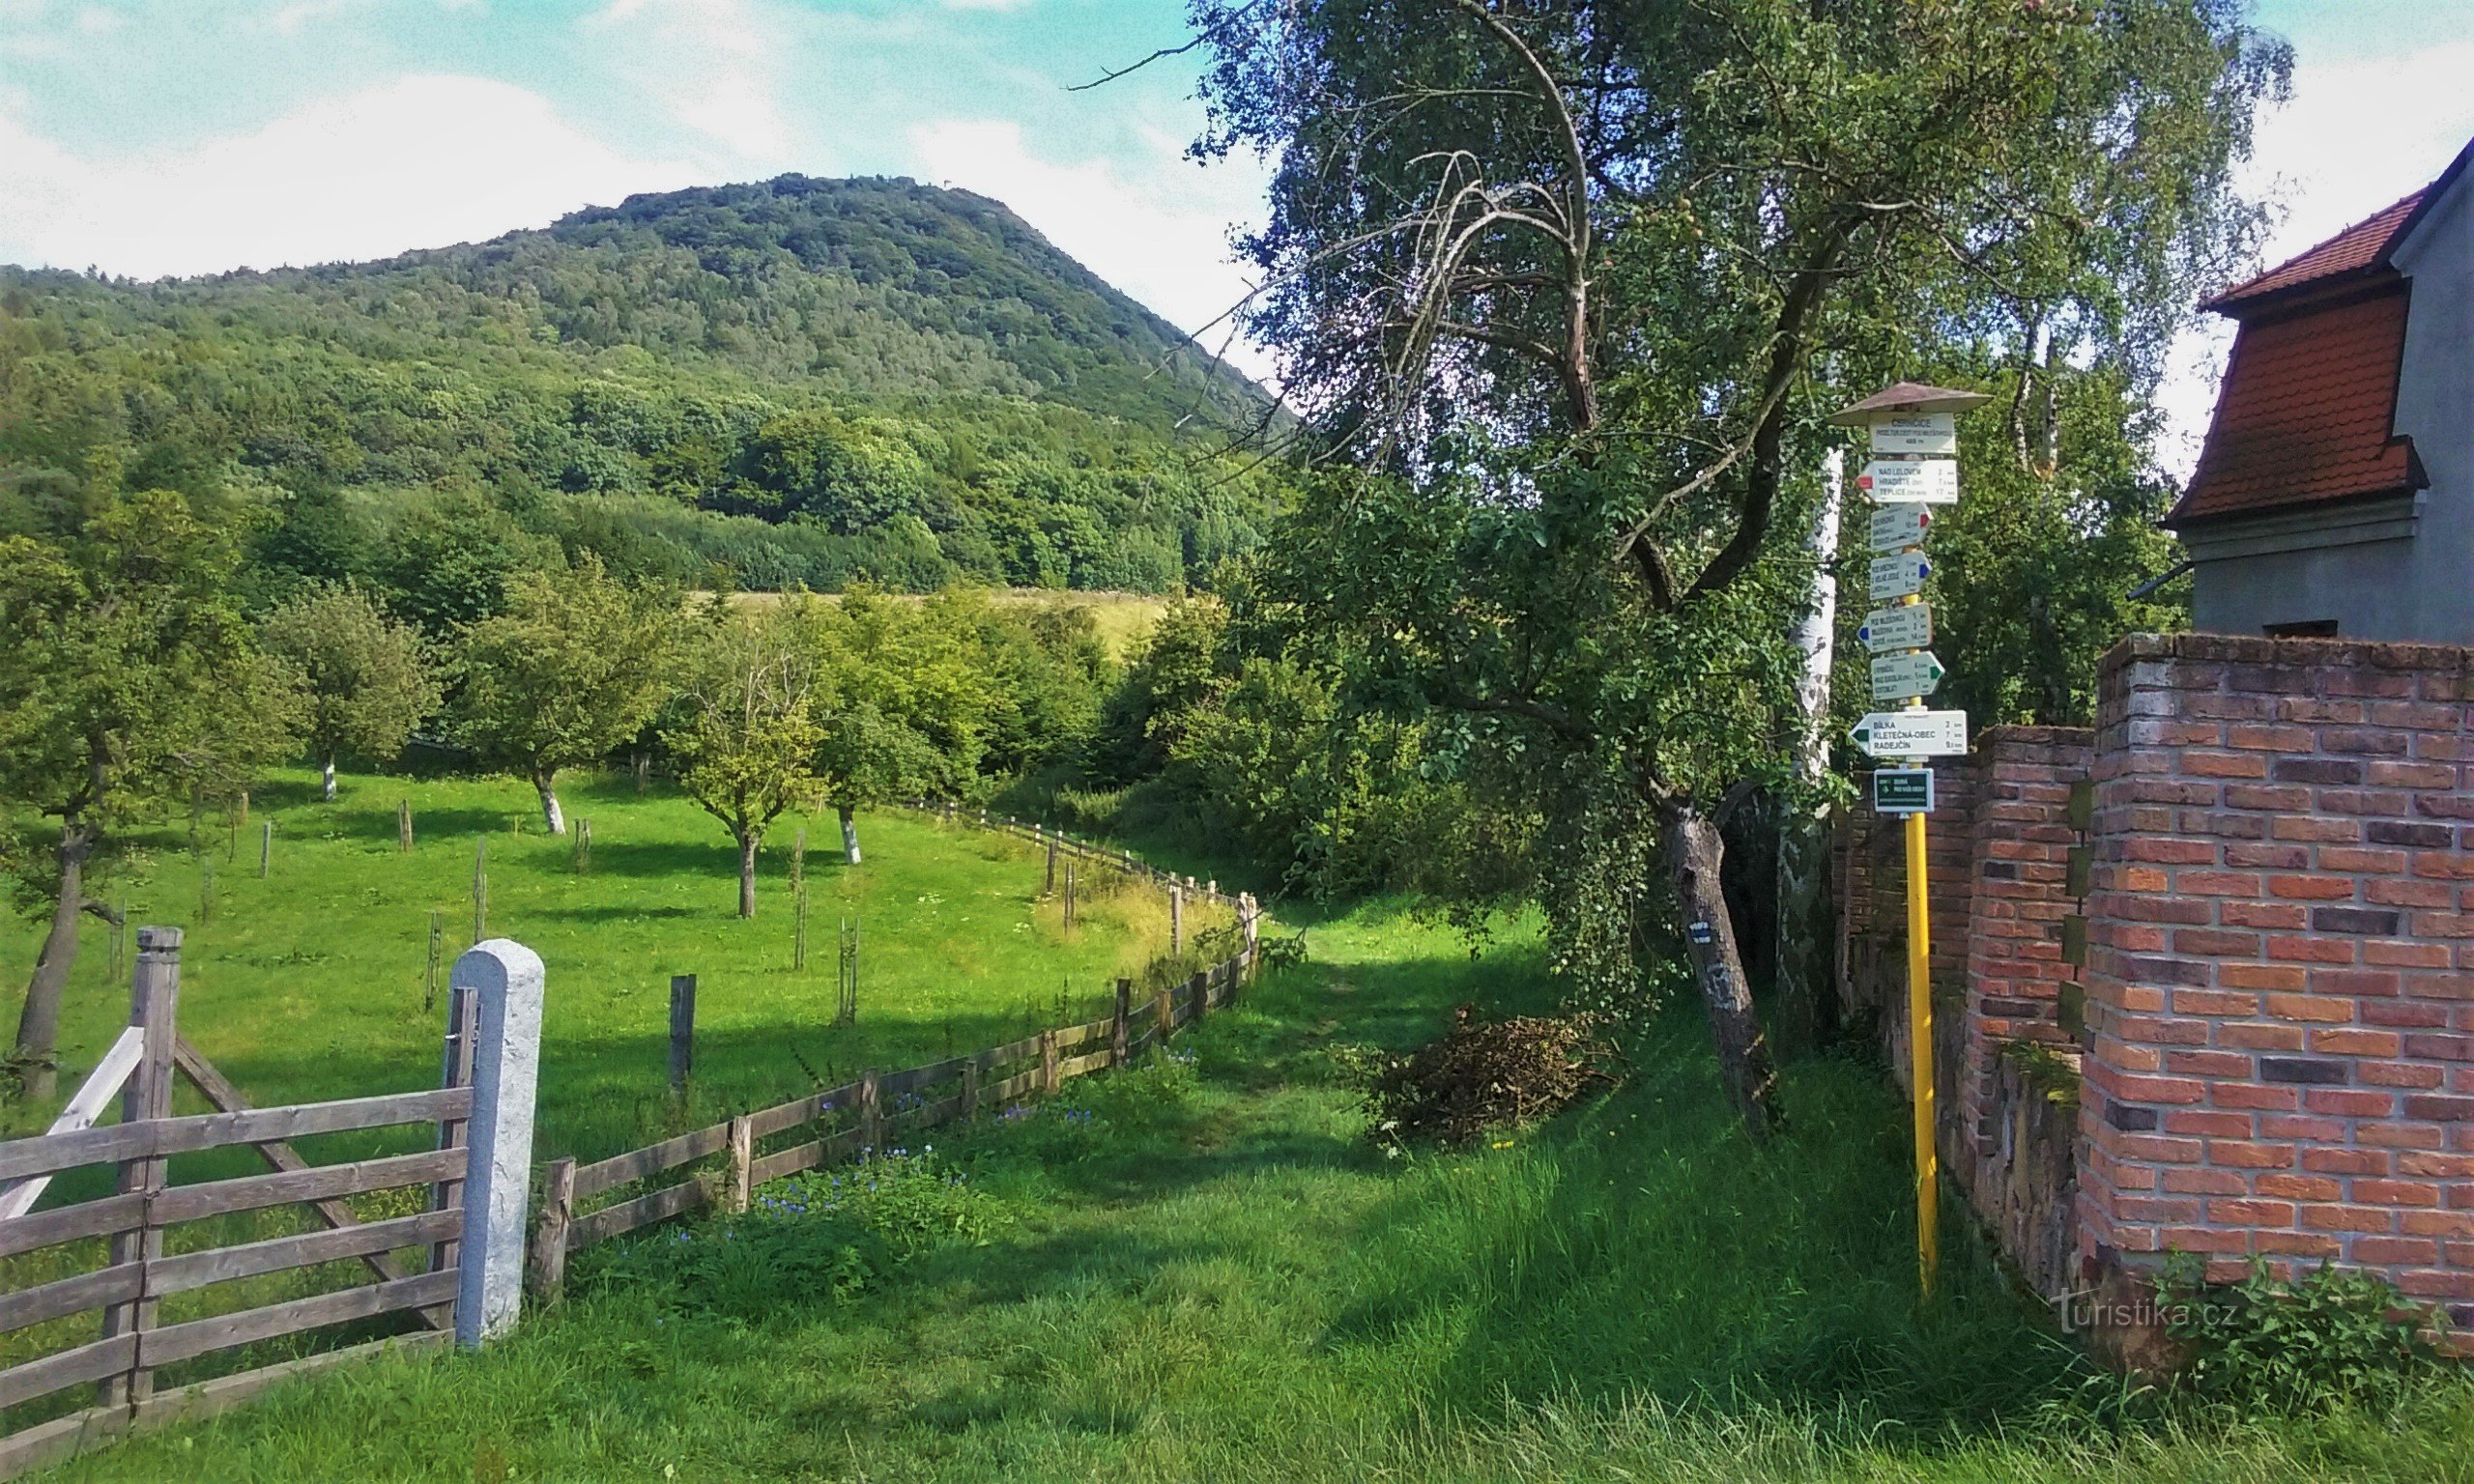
[[134, 1345]]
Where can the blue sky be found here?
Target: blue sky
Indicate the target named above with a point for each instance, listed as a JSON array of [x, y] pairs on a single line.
[[177, 136]]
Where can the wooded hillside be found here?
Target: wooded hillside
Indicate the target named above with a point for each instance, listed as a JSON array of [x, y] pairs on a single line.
[[799, 381]]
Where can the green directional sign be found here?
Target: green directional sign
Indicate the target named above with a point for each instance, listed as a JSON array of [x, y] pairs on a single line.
[[1902, 791], [1912, 733], [1899, 676]]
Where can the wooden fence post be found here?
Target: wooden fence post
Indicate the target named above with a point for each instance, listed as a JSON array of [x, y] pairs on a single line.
[[1250, 921], [455, 1070], [154, 1004], [1047, 888], [742, 1155], [505, 979], [480, 889], [1176, 920], [682, 1032], [404, 826], [265, 848], [1120, 1030], [1201, 983], [871, 1114], [970, 1091], [1049, 1077], [549, 1235], [1069, 898], [1164, 1010]]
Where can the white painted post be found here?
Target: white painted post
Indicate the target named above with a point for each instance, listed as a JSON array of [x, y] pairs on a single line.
[[505, 977]]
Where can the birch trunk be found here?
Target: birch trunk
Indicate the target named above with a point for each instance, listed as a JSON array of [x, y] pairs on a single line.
[[1802, 953], [849, 835], [327, 778]]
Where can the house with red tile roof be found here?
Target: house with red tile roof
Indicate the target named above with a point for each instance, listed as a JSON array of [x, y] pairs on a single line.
[[2335, 494]]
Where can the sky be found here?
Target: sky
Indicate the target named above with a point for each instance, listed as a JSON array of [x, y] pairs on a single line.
[[152, 137]]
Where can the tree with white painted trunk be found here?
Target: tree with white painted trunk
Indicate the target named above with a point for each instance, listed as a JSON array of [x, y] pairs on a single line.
[[130, 684], [362, 677], [573, 668], [742, 730], [902, 702]]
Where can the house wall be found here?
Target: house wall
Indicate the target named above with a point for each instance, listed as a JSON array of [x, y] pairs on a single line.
[[2393, 570]]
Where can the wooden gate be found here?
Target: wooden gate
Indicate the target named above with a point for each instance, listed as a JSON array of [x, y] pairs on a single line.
[[411, 1259]]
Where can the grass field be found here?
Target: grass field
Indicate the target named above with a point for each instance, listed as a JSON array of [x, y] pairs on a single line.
[[1207, 1273], [310, 984]]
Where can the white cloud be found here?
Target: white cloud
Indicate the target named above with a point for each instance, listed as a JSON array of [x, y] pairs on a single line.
[[1159, 233], [418, 163], [712, 65], [2357, 136]]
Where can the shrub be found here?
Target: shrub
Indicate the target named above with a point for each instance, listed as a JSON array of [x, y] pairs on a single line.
[[2300, 1345], [1482, 1077]]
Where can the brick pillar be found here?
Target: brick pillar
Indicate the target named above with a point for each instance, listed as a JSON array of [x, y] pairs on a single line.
[[2281, 984], [2020, 897]]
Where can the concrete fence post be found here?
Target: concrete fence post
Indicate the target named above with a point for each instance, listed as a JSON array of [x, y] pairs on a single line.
[[504, 977]]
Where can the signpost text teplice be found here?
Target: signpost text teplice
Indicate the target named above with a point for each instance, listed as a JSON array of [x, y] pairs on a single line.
[[1914, 469]]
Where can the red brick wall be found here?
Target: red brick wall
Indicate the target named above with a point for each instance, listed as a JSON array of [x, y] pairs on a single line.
[[2024, 839], [2281, 984]]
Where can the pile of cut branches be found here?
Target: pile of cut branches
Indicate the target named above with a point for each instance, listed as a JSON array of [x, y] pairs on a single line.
[[1485, 1075]]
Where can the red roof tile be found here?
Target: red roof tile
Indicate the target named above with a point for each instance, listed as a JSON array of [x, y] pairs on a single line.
[[2363, 246], [2306, 412]]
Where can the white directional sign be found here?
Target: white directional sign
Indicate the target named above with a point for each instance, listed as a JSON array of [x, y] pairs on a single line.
[[1895, 576], [1916, 433], [1914, 481], [1898, 526], [1906, 627], [1913, 734], [1899, 676]]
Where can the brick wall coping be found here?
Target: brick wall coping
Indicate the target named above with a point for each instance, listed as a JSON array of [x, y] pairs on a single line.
[[2247, 649]]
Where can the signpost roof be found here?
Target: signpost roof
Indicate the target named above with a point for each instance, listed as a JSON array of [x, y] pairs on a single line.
[[1908, 397]]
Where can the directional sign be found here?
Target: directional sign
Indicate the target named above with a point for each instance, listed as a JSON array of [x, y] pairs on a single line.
[[1895, 576], [1899, 676], [1898, 526], [1909, 626], [1913, 734], [1915, 481], [1916, 433], [1902, 791]]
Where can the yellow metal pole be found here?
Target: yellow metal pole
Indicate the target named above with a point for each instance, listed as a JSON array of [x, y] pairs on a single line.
[[1919, 1036]]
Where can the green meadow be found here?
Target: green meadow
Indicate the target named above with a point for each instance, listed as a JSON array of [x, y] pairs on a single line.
[[314, 982]]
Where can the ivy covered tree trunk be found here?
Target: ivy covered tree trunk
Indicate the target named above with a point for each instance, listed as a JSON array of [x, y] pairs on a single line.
[[38, 1024], [747, 844], [850, 834], [553, 816], [1694, 854]]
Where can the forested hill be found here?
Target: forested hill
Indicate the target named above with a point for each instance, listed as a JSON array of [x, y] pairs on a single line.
[[800, 381]]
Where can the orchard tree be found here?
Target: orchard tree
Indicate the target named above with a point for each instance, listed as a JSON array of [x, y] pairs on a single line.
[[1574, 285], [128, 682], [743, 734], [574, 667], [362, 674], [904, 703]]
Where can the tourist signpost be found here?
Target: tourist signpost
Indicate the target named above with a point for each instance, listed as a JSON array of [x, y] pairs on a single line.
[[1915, 434]]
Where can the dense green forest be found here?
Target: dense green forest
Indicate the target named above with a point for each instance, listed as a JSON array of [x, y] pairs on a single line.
[[800, 382]]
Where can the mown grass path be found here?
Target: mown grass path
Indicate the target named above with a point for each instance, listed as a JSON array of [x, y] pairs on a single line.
[[1217, 1277]]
